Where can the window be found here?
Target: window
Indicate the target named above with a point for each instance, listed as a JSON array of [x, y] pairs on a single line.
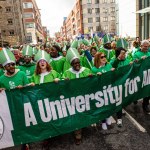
[[112, 18], [29, 37], [29, 25], [105, 19], [112, 1], [11, 32], [97, 10], [106, 28], [1, 8], [97, 28], [105, 10], [97, 19], [10, 21], [8, 9], [89, 11], [27, 5], [89, 1], [28, 15], [96, 1], [112, 9], [90, 20], [104, 1], [90, 29]]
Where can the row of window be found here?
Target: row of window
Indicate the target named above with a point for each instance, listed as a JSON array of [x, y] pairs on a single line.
[[10, 32], [103, 1], [105, 19], [7, 9], [105, 28], [105, 10]]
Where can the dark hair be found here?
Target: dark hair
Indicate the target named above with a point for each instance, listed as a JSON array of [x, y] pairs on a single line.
[[38, 69], [56, 47], [118, 51], [93, 47]]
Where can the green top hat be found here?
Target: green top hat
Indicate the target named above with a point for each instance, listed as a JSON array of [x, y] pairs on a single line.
[[34, 50], [42, 55], [122, 43], [27, 51], [86, 42], [106, 39], [72, 54], [6, 56]]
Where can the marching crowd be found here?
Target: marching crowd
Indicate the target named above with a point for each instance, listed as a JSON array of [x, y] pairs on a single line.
[[28, 65]]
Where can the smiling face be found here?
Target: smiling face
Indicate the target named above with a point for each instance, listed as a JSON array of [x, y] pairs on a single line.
[[122, 55], [103, 59], [76, 64], [10, 68]]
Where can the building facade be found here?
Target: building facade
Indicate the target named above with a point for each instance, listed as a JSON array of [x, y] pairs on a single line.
[[143, 18], [11, 23], [32, 22], [92, 16]]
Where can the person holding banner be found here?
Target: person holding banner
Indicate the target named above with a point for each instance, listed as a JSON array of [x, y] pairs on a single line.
[[142, 54], [76, 71], [101, 66], [44, 72], [12, 78], [120, 61]]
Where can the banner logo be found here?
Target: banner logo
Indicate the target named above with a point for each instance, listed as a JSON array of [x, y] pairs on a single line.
[[1, 128]]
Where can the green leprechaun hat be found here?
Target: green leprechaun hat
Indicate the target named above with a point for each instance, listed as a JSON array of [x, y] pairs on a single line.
[[86, 42], [27, 51], [74, 44], [6, 56], [122, 43], [106, 39], [72, 54], [42, 55], [34, 51]]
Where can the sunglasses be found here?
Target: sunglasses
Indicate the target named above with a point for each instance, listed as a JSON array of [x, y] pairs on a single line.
[[103, 57], [10, 64]]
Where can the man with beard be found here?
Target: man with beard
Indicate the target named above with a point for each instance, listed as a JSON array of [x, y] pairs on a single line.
[[76, 71], [12, 78], [106, 48], [28, 66]]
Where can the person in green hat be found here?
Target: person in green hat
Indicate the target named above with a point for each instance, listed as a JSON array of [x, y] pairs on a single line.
[[28, 67], [76, 71], [44, 72], [106, 47], [56, 61]]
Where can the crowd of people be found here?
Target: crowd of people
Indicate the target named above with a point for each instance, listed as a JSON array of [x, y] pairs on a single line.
[[28, 65]]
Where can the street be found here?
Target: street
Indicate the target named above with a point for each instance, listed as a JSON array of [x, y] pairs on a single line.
[[129, 137]]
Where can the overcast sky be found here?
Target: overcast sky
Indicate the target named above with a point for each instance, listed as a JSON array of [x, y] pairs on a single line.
[[53, 12]]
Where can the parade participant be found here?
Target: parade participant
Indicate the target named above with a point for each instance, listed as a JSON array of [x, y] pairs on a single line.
[[28, 67], [56, 61], [136, 47], [76, 71], [106, 48], [142, 54], [118, 62], [44, 72], [93, 52], [101, 66], [12, 78]]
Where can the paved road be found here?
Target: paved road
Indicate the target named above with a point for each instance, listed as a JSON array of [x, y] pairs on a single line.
[[94, 138]]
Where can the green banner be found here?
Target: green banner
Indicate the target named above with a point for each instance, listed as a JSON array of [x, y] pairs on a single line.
[[52, 109]]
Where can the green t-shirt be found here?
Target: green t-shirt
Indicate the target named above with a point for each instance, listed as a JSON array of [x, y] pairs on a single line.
[[140, 54], [45, 77], [102, 69], [72, 74], [11, 82], [1, 72], [28, 70], [58, 64]]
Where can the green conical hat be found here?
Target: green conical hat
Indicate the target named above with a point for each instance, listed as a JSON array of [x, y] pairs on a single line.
[[72, 54], [27, 51], [74, 44], [106, 39], [42, 55], [86, 42], [64, 48], [122, 43], [34, 51], [6, 56]]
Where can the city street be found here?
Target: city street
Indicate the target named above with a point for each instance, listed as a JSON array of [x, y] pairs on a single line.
[[129, 137]]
